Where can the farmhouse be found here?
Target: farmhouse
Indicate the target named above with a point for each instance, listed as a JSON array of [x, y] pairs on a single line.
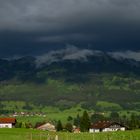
[[76, 130], [47, 126], [106, 126], [7, 122]]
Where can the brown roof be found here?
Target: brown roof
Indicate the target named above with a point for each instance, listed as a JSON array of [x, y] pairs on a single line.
[[8, 120], [103, 124]]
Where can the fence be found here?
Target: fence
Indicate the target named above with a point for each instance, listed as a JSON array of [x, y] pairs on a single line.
[[82, 136]]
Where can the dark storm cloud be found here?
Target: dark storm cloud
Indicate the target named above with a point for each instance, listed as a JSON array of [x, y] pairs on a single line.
[[38, 14], [101, 24]]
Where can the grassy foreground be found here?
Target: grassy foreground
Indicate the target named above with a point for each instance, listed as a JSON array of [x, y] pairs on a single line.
[[25, 134]]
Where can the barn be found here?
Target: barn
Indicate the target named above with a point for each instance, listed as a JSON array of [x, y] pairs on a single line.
[[7, 122], [106, 126]]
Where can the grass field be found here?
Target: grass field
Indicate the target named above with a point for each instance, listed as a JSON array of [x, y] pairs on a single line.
[[26, 134], [52, 113]]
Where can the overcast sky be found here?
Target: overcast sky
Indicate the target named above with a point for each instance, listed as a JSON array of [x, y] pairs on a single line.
[[33, 27]]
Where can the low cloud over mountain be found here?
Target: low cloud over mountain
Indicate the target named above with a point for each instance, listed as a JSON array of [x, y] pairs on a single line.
[[69, 53], [74, 53], [126, 54]]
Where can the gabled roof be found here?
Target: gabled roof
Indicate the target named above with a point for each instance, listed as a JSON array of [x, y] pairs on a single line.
[[8, 120], [47, 126], [104, 124]]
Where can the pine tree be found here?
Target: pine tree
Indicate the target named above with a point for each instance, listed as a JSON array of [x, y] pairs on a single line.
[[85, 122], [59, 126], [77, 121]]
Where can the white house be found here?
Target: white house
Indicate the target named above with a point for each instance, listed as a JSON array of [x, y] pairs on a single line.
[[106, 126], [7, 122]]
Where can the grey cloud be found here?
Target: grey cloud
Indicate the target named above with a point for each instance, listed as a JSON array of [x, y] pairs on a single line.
[[51, 15], [68, 38], [78, 55], [69, 53], [126, 54]]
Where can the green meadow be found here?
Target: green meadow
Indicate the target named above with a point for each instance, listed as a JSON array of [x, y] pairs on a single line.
[[30, 134], [51, 114], [54, 114]]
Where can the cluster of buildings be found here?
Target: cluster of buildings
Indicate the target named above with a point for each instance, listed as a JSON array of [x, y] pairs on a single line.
[[100, 126], [27, 114]]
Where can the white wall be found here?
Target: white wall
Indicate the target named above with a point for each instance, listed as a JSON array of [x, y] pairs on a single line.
[[107, 129], [6, 125], [114, 129], [122, 128], [94, 130]]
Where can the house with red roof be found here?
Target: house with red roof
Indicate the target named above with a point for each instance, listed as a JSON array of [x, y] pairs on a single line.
[[106, 126], [7, 122]]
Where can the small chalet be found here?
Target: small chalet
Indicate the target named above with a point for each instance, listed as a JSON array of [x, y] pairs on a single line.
[[7, 122], [76, 130], [47, 126], [106, 126]]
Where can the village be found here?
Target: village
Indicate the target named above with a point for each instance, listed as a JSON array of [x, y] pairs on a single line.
[[81, 124]]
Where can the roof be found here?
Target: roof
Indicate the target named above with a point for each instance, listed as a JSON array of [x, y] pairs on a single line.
[[47, 126], [104, 124], [8, 120]]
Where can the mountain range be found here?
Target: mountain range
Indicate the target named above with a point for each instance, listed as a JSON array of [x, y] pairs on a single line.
[[97, 81], [27, 68]]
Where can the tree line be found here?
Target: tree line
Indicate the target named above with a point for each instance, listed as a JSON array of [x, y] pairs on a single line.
[[84, 122]]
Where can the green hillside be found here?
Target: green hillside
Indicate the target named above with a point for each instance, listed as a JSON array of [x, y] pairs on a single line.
[[102, 92], [101, 83]]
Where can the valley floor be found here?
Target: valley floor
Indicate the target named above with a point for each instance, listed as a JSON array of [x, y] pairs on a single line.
[[30, 134]]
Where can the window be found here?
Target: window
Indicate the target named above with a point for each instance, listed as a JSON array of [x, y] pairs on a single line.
[[6, 126]]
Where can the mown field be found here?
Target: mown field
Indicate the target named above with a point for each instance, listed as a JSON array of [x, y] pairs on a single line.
[[26, 134]]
